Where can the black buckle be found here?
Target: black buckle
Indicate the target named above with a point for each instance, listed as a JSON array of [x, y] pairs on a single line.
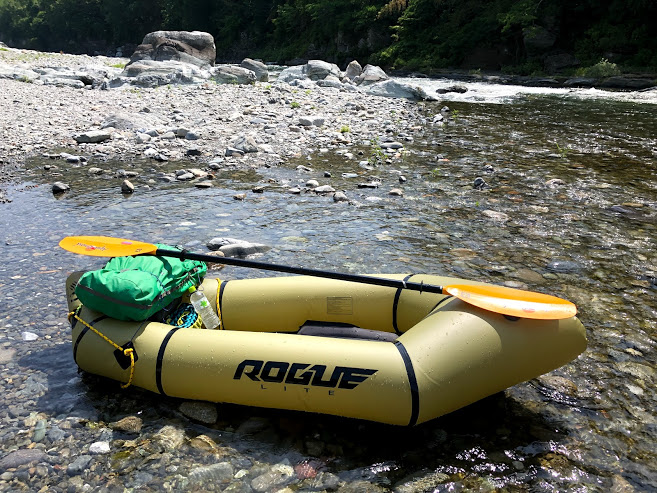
[[123, 359]]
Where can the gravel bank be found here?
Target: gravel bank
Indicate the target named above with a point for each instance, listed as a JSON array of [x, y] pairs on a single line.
[[246, 125]]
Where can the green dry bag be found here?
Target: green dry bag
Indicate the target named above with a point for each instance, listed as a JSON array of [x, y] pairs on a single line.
[[135, 288]]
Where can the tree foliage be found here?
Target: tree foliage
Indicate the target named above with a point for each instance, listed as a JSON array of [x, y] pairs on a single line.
[[417, 34]]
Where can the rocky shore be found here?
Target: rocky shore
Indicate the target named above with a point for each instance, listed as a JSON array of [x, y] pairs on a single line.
[[54, 104]]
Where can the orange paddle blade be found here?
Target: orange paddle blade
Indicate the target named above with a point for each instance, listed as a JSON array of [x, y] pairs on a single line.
[[514, 302], [105, 246]]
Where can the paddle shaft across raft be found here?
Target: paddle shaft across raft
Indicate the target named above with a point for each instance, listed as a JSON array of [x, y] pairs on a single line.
[[376, 281]]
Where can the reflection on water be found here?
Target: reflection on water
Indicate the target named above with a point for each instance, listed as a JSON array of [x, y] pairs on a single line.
[[570, 208]]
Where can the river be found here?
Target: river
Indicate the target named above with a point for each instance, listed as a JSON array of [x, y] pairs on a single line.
[[569, 208]]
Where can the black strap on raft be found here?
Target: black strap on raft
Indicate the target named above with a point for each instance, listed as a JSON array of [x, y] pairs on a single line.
[[395, 304], [412, 382]]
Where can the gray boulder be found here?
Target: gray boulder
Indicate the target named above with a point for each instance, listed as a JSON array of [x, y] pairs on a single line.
[[393, 89], [195, 47], [371, 75], [290, 74], [93, 137], [354, 70], [17, 73], [330, 81], [320, 70], [258, 68], [150, 73], [231, 74]]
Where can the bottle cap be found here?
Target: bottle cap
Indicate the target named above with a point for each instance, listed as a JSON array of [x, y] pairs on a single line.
[[192, 289]]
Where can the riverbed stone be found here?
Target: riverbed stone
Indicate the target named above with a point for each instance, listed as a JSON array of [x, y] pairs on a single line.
[[60, 187], [203, 412], [93, 136], [20, 457]]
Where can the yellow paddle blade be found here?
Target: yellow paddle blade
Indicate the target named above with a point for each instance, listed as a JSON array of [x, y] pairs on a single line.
[[105, 246], [514, 302]]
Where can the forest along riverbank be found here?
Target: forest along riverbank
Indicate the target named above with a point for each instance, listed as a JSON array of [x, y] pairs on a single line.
[[553, 211]]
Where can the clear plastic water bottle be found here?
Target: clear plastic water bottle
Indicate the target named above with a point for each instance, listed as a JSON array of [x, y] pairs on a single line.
[[204, 309]]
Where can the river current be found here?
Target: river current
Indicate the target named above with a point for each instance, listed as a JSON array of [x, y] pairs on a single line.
[[568, 206]]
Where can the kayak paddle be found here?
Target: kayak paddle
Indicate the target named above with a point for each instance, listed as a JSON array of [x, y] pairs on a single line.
[[498, 299]]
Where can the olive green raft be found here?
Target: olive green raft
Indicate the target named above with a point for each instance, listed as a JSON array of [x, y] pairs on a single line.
[[329, 346]]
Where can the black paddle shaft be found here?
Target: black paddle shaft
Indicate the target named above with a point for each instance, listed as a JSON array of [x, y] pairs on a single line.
[[377, 281]]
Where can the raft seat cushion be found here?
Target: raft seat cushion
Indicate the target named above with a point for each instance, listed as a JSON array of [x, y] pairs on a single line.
[[343, 331]]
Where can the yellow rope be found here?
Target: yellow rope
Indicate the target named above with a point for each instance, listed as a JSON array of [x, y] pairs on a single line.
[[129, 352]]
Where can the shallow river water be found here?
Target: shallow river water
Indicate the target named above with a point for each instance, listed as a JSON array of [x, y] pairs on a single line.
[[569, 208]]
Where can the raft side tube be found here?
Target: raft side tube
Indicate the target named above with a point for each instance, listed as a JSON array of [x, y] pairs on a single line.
[[283, 304], [462, 354]]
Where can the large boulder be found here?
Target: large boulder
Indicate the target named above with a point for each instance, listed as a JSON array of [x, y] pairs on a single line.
[[232, 74], [258, 68], [148, 73], [354, 69], [195, 47], [320, 70], [393, 89], [371, 75]]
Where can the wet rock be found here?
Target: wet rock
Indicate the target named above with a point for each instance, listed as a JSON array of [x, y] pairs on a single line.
[[529, 275], [429, 482], [6, 355], [99, 448], [340, 197], [392, 145], [479, 183], [555, 182], [60, 187], [79, 465], [213, 474], [324, 189], [170, 437], [496, 216], [559, 384], [278, 476], [232, 247], [20, 457], [129, 424], [565, 266], [459, 89], [363, 487], [203, 412], [127, 187]]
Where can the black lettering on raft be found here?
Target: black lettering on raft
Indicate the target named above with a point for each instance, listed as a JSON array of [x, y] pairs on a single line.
[[341, 377]]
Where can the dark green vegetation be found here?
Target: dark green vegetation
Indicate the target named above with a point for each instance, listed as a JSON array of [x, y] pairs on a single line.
[[520, 36]]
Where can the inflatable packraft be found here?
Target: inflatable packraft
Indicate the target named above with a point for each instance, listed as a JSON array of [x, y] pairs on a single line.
[[327, 346]]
